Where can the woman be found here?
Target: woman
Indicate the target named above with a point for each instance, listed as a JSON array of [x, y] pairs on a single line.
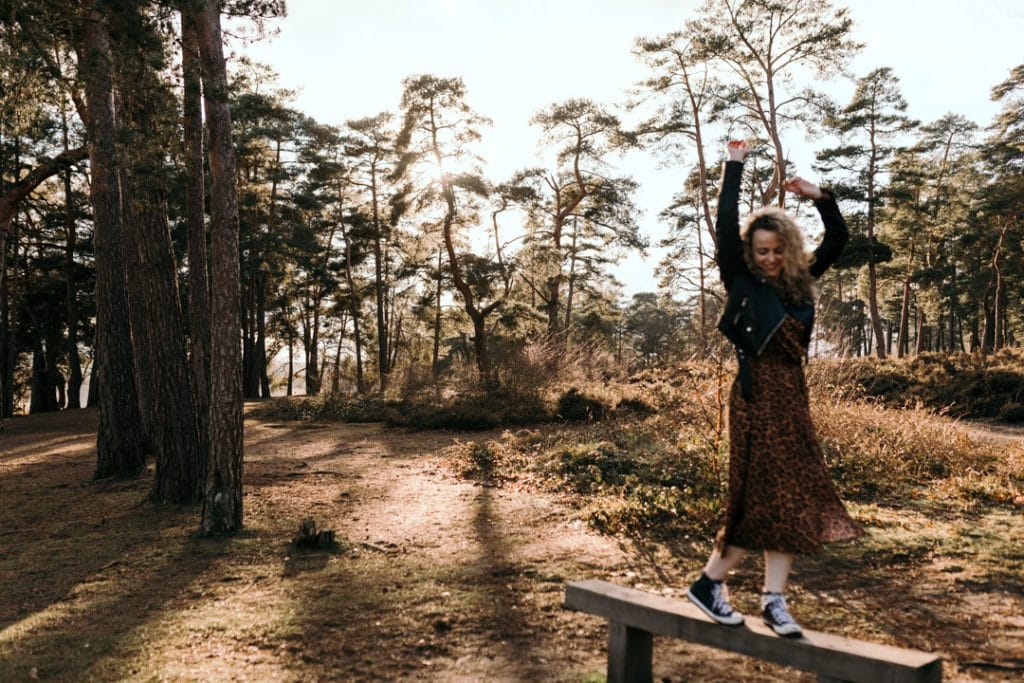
[[781, 498]]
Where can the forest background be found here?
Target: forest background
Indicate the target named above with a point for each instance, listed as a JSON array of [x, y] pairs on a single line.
[[542, 257]]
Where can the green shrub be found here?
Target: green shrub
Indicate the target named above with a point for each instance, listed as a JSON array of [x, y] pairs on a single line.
[[587, 467], [660, 513], [635, 406], [574, 406], [1011, 412], [325, 407], [960, 385], [470, 413]]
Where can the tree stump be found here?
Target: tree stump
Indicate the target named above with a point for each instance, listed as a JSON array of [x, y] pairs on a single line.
[[309, 537]]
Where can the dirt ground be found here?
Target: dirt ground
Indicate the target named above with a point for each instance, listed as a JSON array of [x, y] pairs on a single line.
[[435, 577]]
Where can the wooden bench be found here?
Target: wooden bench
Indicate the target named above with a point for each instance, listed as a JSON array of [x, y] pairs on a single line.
[[634, 617]]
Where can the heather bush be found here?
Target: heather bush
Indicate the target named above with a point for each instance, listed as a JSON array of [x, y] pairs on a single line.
[[960, 385]]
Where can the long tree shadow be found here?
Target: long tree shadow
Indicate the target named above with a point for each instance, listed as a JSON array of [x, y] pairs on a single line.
[[497, 573], [398, 608], [98, 567], [86, 566]]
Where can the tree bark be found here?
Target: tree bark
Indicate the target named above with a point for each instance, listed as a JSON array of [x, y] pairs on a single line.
[[571, 288], [159, 335], [435, 360], [250, 377], [8, 331], [71, 287], [119, 437], [354, 311], [158, 329], [903, 340], [222, 504], [313, 374], [383, 355], [195, 196], [263, 380]]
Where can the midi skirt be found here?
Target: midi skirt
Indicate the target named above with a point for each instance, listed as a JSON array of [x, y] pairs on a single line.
[[781, 496]]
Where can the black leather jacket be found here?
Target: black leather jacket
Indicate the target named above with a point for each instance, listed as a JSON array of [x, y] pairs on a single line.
[[753, 310]]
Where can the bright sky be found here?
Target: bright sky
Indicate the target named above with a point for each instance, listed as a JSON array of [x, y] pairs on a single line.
[[347, 59]]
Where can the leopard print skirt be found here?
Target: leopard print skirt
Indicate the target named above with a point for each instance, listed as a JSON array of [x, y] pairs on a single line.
[[781, 496]]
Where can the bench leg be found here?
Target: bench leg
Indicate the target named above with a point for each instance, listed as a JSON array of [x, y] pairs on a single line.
[[629, 654]]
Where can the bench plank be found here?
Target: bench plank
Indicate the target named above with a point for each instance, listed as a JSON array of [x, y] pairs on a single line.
[[828, 655]]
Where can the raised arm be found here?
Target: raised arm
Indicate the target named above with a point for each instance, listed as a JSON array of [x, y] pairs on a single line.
[[836, 232], [729, 252]]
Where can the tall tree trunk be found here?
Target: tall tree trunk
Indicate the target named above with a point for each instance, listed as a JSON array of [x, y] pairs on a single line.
[[313, 378], [998, 296], [954, 315], [222, 504], [480, 348], [71, 287], [56, 395], [159, 336], [291, 364], [251, 389], [195, 200], [437, 315], [383, 356], [261, 336], [8, 329], [250, 374], [552, 300], [354, 310], [158, 329], [702, 279], [396, 338], [261, 380], [93, 398], [903, 341], [39, 386], [988, 337], [119, 437], [336, 375], [290, 333], [571, 289], [876, 322], [998, 316]]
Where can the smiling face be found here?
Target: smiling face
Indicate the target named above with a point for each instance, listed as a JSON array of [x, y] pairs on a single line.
[[768, 251]]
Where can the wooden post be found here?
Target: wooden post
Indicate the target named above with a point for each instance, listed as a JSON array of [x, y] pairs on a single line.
[[629, 654]]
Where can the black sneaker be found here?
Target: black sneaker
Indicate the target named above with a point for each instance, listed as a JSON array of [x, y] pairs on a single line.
[[709, 595], [776, 614]]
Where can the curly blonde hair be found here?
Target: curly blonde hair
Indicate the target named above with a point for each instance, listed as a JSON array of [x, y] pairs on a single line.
[[795, 281]]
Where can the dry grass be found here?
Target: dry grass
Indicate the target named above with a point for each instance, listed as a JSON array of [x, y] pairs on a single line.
[[879, 453], [961, 385]]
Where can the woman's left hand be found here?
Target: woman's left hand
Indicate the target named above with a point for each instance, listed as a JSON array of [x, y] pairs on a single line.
[[804, 188]]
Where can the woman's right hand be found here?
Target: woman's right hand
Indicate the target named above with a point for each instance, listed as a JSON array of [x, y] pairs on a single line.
[[737, 150]]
